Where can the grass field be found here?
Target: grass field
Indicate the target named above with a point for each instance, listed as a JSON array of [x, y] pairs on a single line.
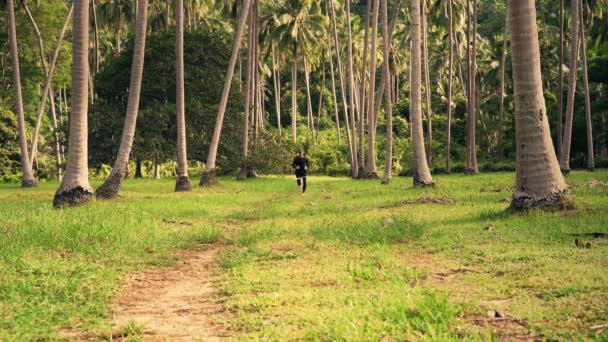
[[351, 260]]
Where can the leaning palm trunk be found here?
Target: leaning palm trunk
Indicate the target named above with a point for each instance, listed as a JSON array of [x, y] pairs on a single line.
[[27, 179], [75, 188], [388, 163], [182, 181], [208, 176], [109, 189], [560, 80], [589, 121], [58, 170], [420, 168], [539, 182], [371, 168], [47, 73], [448, 133], [277, 88], [362, 110], [335, 97], [471, 164], [564, 160]]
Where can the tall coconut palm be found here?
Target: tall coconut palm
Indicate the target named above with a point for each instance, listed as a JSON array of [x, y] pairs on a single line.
[[471, 162], [75, 188], [208, 176], [448, 135], [539, 181], [427, 83], [503, 62], [27, 179], [371, 171], [560, 80], [248, 86], [420, 168], [564, 160], [362, 109], [388, 163], [109, 189], [351, 93], [589, 121], [182, 181]]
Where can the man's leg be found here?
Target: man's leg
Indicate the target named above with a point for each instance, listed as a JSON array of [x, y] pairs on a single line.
[[299, 181], [304, 185]]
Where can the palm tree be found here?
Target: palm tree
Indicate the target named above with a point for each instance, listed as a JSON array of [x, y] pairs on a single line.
[[388, 163], [539, 182], [351, 93], [503, 62], [75, 188], [427, 83], [371, 171], [27, 179], [109, 189], [448, 135], [564, 160], [560, 80], [420, 168], [182, 181], [589, 121], [471, 163], [208, 176], [362, 109], [249, 83]]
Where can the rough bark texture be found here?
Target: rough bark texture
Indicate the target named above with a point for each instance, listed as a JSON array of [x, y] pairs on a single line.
[[75, 188], [420, 168], [215, 140], [560, 80], [539, 181], [182, 157], [351, 93], [248, 83], [27, 179], [208, 178], [427, 85], [564, 160], [111, 189], [388, 163]]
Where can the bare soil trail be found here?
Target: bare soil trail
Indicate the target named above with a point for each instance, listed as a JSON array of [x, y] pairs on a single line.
[[176, 303]]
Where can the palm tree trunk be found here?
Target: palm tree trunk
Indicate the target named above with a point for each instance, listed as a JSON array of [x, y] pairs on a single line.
[[335, 97], [427, 85], [351, 146], [48, 74], [351, 93], [96, 38], [560, 80], [421, 173], [58, 171], [588, 119], [75, 188], [242, 175], [388, 163], [371, 168], [471, 165], [448, 133], [320, 107], [27, 179], [311, 125], [564, 160], [604, 146], [277, 95], [208, 176], [362, 110], [539, 182], [294, 104], [182, 182], [110, 188], [503, 62], [167, 14], [156, 169]]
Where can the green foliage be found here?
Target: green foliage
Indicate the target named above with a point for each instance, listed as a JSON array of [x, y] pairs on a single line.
[[206, 56], [10, 161]]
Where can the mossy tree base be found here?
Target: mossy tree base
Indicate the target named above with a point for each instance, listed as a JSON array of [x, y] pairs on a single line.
[[243, 173], [110, 188], [423, 184], [565, 172], [72, 197], [555, 201], [470, 172], [208, 178], [182, 183], [28, 183]]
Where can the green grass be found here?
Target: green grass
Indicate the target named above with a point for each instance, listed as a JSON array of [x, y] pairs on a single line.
[[348, 261]]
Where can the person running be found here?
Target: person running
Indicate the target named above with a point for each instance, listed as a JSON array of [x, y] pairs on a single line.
[[300, 164]]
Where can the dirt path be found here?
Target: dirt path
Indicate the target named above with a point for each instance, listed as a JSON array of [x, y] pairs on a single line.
[[176, 303]]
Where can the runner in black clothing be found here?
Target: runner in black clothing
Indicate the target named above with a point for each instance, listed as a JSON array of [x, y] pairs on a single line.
[[300, 164]]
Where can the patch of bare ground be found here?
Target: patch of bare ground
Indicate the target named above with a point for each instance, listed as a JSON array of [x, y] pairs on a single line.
[[177, 303], [443, 275]]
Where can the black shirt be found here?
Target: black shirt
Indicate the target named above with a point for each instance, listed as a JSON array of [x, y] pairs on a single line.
[[300, 164]]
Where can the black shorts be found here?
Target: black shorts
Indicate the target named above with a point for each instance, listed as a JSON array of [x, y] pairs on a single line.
[[300, 175]]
